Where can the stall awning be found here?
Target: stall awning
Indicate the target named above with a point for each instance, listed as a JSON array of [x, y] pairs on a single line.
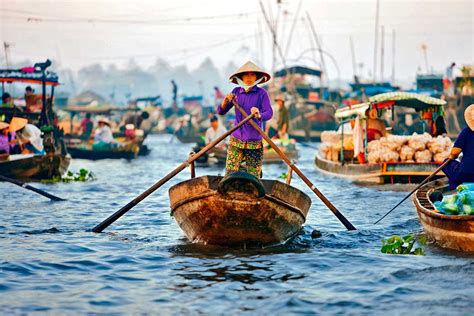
[[352, 111]]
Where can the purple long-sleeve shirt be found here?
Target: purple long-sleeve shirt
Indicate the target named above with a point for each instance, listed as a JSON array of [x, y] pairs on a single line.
[[255, 97]]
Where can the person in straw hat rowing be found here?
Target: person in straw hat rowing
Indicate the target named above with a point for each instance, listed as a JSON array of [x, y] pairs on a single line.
[[28, 136], [245, 144], [459, 172]]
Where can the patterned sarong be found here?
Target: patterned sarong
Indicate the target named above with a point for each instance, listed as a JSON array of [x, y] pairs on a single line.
[[244, 156]]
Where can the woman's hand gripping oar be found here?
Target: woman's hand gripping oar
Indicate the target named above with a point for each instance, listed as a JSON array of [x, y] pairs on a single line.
[[112, 218], [29, 187], [333, 209], [419, 186]]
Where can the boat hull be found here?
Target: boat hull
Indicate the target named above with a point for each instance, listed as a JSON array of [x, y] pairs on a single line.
[[449, 231], [380, 173], [80, 153], [34, 167], [237, 218], [301, 136]]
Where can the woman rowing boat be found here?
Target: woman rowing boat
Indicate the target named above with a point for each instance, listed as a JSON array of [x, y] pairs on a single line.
[[245, 144]]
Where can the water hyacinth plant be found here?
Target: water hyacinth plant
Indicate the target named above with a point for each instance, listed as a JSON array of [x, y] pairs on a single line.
[[82, 176], [404, 245]]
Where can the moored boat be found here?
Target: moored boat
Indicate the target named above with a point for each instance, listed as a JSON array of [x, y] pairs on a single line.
[[390, 159], [448, 231], [38, 109], [86, 150], [83, 148], [238, 210], [378, 173], [35, 167]]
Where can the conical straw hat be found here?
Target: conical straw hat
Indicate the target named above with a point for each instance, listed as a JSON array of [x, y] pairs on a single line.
[[3, 125], [17, 123], [469, 116], [250, 67], [104, 120]]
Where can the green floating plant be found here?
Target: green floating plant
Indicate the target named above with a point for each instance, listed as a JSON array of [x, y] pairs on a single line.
[[283, 176], [82, 176], [404, 245]]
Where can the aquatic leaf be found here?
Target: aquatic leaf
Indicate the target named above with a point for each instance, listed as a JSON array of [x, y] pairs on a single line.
[[401, 245], [419, 252]]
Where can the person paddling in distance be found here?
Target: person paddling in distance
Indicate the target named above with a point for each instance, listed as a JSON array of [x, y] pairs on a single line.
[[245, 144], [459, 172]]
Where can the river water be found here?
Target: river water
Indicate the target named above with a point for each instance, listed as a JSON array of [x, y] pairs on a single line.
[[51, 264]]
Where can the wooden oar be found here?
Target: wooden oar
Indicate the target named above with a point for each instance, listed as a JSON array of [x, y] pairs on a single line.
[[419, 186], [333, 209], [112, 218], [29, 187]]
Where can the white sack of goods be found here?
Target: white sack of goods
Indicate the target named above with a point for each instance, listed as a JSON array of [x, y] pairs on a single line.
[[374, 145], [406, 153], [423, 156], [439, 144], [418, 142], [390, 156], [374, 156]]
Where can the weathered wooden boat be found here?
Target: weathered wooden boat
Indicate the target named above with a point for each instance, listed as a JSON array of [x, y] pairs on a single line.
[[378, 173], [348, 166], [85, 150], [448, 231], [238, 210], [35, 167], [120, 136], [56, 160]]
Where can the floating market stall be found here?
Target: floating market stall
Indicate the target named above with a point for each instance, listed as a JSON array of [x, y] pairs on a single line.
[[449, 221], [390, 159], [55, 161]]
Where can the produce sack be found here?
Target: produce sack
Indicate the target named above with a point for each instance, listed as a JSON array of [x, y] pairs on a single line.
[[468, 186]]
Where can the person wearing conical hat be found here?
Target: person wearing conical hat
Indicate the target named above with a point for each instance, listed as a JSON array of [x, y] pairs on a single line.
[[28, 136], [283, 117], [245, 144], [463, 171], [103, 135]]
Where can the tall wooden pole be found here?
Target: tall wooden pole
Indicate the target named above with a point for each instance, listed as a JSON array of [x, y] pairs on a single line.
[[354, 63], [382, 52], [393, 56], [376, 39]]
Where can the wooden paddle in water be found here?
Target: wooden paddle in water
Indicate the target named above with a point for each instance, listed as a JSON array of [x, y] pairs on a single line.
[[333, 209], [112, 218], [419, 186], [29, 187]]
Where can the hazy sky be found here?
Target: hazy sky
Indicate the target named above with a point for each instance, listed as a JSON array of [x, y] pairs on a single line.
[[77, 33]]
